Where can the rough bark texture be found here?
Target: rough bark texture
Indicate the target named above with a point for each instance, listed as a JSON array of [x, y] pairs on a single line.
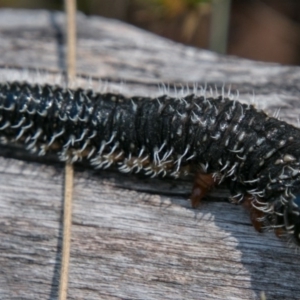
[[132, 237]]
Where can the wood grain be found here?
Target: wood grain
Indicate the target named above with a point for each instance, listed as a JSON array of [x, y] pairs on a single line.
[[132, 237]]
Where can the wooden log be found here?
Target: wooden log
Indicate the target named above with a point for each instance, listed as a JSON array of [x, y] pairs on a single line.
[[132, 237]]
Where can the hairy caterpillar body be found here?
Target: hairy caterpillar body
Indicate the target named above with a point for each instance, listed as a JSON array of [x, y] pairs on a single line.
[[217, 138]]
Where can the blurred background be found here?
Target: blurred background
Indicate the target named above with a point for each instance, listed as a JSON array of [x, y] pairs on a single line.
[[264, 30]]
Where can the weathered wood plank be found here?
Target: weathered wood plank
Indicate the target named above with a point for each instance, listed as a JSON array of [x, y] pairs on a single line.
[[133, 237]]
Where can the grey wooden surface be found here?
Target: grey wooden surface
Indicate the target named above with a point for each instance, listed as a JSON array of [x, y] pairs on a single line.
[[132, 237]]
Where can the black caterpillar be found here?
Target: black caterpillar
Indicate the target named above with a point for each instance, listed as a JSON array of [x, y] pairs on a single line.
[[164, 136]]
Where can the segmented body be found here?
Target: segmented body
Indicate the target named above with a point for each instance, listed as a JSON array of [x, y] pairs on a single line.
[[160, 136]]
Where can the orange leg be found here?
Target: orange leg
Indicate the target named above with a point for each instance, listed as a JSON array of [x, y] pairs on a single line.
[[279, 232], [255, 214], [203, 183]]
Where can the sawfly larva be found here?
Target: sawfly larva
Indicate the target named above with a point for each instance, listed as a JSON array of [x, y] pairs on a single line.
[[216, 138]]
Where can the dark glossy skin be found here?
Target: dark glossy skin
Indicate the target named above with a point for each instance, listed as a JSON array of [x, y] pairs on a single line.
[[259, 155]]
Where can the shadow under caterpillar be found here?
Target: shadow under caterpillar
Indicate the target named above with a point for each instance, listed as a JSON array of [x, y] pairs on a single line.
[[216, 138]]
